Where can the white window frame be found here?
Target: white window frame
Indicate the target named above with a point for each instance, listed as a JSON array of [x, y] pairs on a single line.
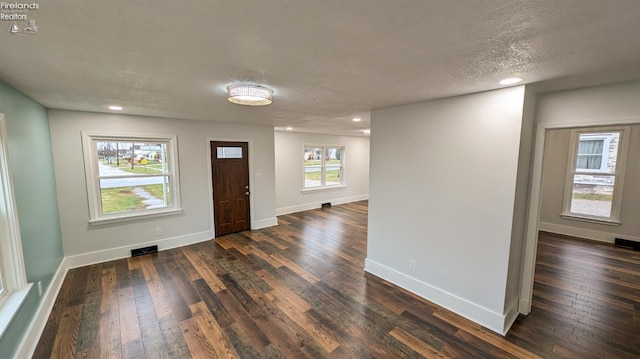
[[92, 177], [323, 167], [621, 161], [12, 269]]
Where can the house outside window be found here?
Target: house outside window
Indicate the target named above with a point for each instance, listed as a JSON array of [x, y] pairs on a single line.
[[130, 177], [323, 166], [595, 174]]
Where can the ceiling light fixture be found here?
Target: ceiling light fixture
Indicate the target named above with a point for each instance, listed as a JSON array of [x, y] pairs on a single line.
[[115, 108], [357, 119], [366, 132], [289, 128], [250, 95], [510, 81]]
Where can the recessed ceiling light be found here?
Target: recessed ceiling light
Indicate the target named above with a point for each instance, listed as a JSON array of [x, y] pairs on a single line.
[[289, 128], [510, 81], [250, 95], [366, 132], [115, 108], [357, 119]]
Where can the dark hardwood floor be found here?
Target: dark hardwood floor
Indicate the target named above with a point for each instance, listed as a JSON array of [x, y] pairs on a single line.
[[298, 290]]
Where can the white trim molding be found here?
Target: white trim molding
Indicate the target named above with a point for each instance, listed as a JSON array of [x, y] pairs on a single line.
[[499, 323], [13, 278], [264, 223], [594, 235], [110, 254], [316, 205], [29, 341]]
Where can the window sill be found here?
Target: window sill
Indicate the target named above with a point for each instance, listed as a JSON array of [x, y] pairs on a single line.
[[11, 305], [605, 221], [316, 189], [129, 218]]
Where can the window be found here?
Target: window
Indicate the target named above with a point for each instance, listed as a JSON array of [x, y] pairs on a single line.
[[595, 174], [591, 153], [129, 177], [323, 166], [13, 279]]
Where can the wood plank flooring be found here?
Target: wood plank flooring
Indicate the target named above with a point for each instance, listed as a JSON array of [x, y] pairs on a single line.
[[298, 290], [586, 301]]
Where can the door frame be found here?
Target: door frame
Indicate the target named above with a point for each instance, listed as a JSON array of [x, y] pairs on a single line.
[[210, 180], [535, 198]]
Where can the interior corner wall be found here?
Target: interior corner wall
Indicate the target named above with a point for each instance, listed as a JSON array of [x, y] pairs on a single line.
[[442, 189], [34, 184], [289, 148], [594, 106], [520, 208], [103, 242]]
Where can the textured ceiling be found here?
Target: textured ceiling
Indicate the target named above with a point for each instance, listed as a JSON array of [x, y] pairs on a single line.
[[327, 61]]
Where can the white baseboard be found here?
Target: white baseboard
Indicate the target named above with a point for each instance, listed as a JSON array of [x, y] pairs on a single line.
[[483, 316], [29, 341], [315, 205], [264, 223], [591, 234], [110, 254], [524, 306], [510, 316]]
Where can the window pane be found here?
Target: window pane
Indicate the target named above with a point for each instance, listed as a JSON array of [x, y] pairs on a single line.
[[313, 167], [229, 152], [597, 151], [589, 162], [122, 158], [312, 156], [590, 147], [313, 176], [132, 194], [333, 155], [333, 175], [592, 195]]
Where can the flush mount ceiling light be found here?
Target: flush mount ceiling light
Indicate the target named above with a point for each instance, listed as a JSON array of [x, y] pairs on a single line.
[[250, 95], [510, 81], [115, 108], [357, 119]]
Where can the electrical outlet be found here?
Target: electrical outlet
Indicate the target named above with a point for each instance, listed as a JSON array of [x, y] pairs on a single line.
[[158, 231], [412, 265], [39, 289]]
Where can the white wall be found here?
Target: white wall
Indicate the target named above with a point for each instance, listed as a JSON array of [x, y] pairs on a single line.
[[194, 224], [289, 148], [442, 192], [593, 106], [611, 104]]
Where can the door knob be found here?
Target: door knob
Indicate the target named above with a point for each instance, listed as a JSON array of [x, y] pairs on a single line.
[[246, 193], [246, 187]]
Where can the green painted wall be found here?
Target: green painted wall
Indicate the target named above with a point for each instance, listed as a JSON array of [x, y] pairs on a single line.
[[34, 184]]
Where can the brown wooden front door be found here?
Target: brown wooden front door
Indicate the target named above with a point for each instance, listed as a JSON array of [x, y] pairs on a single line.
[[230, 178]]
